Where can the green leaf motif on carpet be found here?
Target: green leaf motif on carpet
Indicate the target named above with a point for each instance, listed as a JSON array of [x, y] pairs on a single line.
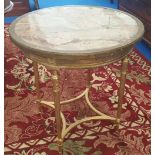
[[72, 147], [97, 153]]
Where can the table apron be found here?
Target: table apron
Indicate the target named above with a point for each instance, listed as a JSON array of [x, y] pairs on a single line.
[[79, 62]]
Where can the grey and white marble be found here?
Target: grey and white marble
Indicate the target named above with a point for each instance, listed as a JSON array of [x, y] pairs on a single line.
[[76, 28]]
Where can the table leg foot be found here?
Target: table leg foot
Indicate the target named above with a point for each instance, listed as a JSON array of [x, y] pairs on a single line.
[[60, 146]]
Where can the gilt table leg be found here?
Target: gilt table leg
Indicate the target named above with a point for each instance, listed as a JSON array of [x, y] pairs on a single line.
[[121, 90], [88, 85], [36, 76], [56, 96], [89, 76]]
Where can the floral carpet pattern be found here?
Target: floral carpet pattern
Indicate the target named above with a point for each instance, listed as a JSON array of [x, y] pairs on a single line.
[[30, 129]]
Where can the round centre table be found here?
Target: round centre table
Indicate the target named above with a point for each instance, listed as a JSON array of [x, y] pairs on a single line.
[[81, 37]]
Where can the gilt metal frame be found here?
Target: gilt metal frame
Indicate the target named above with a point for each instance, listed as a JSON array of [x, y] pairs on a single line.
[[61, 125]]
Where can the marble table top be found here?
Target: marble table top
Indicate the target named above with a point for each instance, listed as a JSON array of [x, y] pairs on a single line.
[[75, 30]]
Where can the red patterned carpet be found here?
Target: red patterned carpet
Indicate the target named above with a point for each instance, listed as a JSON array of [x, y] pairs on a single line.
[[29, 131]]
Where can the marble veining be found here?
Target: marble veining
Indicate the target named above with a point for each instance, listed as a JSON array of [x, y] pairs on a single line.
[[75, 28]]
